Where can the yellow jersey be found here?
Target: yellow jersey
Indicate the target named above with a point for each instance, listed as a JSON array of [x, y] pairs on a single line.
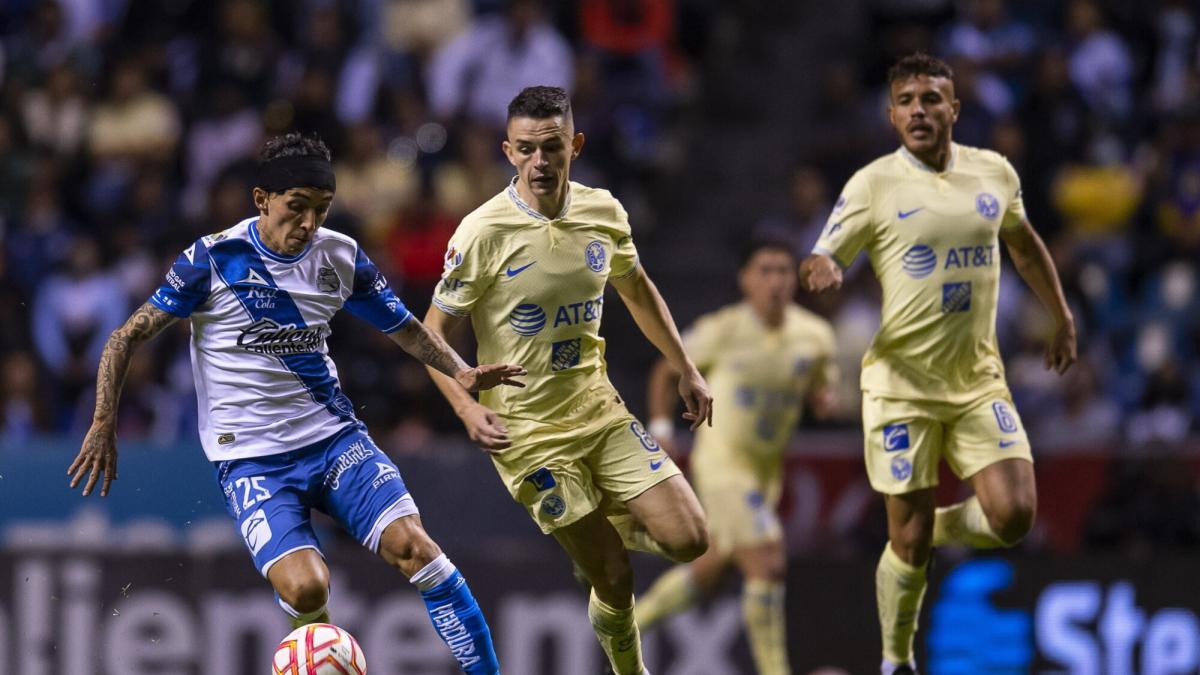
[[932, 238], [534, 289], [759, 377]]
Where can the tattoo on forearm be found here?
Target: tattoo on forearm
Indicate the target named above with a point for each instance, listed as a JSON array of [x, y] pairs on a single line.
[[145, 323], [429, 348]]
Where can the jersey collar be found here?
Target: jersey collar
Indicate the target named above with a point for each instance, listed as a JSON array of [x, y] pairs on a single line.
[[529, 210], [268, 253], [917, 163]]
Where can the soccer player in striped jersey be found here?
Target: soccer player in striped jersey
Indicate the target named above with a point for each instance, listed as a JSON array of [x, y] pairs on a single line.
[[931, 216], [281, 434]]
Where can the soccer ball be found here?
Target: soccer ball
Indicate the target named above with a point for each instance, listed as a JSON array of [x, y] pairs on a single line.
[[319, 649]]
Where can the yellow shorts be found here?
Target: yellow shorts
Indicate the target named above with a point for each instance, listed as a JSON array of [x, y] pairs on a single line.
[[741, 506], [905, 439], [563, 481]]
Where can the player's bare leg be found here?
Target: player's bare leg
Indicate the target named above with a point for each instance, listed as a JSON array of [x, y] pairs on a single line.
[[301, 581], [999, 514], [671, 516], [406, 546], [680, 587], [763, 568], [900, 576], [598, 552]]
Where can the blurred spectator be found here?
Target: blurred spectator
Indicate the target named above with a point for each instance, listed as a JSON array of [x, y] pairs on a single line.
[[15, 169], [1175, 80], [417, 245], [848, 126], [245, 52], [997, 45], [475, 176], [31, 53], [422, 26], [22, 406], [42, 234], [56, 114], [1087, 419], [229, 130], [371, 186], [133, 122], [1101, 66], [1164, 413], [1179, 211], [476, 74], [806, 215]]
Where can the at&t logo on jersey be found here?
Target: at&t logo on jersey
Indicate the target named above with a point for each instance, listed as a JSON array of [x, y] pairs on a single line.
[[920, 261], [579, 312], [595, 256], [895, 437], [268, 337], [527, 319], [970, 256]]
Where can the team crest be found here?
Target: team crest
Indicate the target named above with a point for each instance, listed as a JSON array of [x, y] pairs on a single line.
[[595, 256], [327, 280], [553, 506], [987, 205], [901, 468]]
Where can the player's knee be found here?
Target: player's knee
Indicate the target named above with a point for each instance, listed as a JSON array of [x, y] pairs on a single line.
[[614, 577], [407, 546], [688, 547], [305, 595], [1013, 520]]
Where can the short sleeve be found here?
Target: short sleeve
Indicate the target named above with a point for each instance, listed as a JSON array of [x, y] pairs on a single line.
[[625, 255], [466, 273], [849, 227], [187, 284], [1014, 208], [372, 299], [702, 341]]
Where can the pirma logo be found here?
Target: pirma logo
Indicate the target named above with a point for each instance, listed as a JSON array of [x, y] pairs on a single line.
[[527, 319], [256, 530], [920, 261], [895, 437]]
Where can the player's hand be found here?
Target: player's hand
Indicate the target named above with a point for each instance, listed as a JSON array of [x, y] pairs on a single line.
[[1061, 352], [491, 375], [97, 459], [485, 428], [696, 398], [819, 273]]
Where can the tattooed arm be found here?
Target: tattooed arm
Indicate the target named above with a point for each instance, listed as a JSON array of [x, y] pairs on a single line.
[[429, 348], [98, 456]]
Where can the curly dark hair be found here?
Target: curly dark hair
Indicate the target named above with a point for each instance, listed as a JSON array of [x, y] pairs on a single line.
[[919, 63], [295, 144], [539, 103], [767, 242]]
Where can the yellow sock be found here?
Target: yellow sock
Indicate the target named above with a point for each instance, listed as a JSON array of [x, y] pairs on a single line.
[[899, 589], [618, 635], [763, 611], [319, 616], [672, 593], [964, 523], [635, 537]]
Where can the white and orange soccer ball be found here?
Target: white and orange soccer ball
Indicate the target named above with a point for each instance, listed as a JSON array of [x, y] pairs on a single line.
[[319, 649]]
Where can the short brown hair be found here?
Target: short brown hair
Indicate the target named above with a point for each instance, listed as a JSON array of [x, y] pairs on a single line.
[[919, 63]]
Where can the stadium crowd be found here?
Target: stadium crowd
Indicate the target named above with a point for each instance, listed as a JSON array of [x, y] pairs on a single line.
[[128, 129]]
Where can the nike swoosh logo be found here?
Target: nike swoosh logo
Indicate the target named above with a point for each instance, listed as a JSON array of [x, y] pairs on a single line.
[[1005, 444], [512, 273], [654, 465], [905, 214]]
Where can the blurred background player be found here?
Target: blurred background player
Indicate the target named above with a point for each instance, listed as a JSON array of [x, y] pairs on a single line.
[[766, 357], [529, 268], [933, 384], [260, 296]]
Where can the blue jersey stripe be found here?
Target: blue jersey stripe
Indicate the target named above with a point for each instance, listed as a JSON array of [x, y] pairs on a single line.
[[244, 272]]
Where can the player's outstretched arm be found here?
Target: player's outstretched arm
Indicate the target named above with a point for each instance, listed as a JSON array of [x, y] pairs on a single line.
[[650, 312], [484, 426], [662, 404], [1036, 267], [98, 456], [430, 348], [820, 273]]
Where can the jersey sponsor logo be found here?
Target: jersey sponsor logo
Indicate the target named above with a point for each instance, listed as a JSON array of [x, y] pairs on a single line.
[[512, 272], [919, 261], [901, 468], [956, 297], [268, 337], [264, 298], [905, 214], [328, 281], [579, 312], [256, 530], [970, 256], [1007, 443], [174, 280], [553, 506], [895, 437], [452, 285], [987, 205], [565, 354], [253, 277], [384, 473], [527, 319], [225, 439], [595, 256], [541, 479], [453, 258], [357, 452], [1005, 419]]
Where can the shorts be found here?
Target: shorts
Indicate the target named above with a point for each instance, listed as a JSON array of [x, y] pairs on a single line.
[[741, 505], [560, 482], [345, 476], [905, 439]]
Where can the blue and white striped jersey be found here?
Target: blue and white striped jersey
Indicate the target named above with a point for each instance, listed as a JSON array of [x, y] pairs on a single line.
[[264, 381]]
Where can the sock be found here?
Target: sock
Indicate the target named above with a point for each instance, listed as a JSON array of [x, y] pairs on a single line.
[[297, 619], [672, 593], [964, 523], [618, 635], [899, 589], [763, 612], [635, 537], [456, 616]]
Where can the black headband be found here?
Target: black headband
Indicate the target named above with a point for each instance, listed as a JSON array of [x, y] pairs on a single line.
[[296, 171]]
